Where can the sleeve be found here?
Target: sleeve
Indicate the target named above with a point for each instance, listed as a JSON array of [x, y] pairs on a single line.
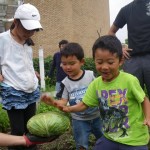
[[65, 93], [93, 76], [121, 20], [90, 98], [137, 90], [52, 66], [59, 94]]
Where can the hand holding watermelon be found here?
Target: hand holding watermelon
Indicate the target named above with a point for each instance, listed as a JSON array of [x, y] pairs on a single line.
[[33, 140]]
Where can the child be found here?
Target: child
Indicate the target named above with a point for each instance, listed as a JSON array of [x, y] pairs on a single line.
[[124, 108], [73, 88], [19, 88]]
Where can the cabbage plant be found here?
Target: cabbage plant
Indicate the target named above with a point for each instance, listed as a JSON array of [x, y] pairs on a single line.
[[48, 124]]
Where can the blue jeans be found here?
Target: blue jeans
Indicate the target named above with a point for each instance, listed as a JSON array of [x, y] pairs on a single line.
[[83, 128], [105, 144]]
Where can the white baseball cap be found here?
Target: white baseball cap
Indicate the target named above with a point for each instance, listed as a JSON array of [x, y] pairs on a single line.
[[29, 16]]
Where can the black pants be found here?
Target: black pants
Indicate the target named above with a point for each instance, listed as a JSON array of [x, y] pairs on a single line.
[[18, 121], [139, 67]]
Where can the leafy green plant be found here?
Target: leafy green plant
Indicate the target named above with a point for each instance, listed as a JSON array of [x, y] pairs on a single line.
[[42, 107], [90, 65], [49, 85], [4, 120]]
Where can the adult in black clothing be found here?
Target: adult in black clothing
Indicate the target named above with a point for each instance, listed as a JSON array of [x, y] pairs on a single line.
[[56, 64], [137, 58]]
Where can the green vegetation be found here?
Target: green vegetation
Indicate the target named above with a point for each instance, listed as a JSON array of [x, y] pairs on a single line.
[[4, 121], [66, 141]]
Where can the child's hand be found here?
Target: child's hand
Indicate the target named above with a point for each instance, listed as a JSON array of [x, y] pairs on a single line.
[[47, 99], [37, 75], [147, 122], [64, 108]]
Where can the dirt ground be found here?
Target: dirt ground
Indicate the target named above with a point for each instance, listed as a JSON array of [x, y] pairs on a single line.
[[64, 142]]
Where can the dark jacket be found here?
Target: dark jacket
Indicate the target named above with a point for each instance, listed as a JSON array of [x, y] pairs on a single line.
[[60, 74]]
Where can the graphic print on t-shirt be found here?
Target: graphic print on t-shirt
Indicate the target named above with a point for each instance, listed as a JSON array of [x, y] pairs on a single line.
[[114, 110], [148, 8], [76, 97]]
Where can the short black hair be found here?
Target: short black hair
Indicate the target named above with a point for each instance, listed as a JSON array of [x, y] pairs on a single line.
[[110, 43], [73, 49], [63, 42]]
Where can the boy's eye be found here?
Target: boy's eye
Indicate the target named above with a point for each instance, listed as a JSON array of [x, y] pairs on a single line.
[[110, 62], [69, 63], [99, 62]]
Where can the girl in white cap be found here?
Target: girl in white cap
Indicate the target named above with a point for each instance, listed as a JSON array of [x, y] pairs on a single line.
[[19, 87]]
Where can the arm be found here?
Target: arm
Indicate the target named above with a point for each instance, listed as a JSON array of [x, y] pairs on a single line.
[[113, 30], [37, 75], [11, 140], [75, 108], [50, 101], [25, 140], [146, 110], [61, 104]]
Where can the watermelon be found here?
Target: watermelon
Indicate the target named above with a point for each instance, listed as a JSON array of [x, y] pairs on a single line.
[[48, 124]]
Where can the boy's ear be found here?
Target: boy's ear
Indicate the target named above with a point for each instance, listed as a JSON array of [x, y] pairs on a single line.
[[83, 61], [122, 61]]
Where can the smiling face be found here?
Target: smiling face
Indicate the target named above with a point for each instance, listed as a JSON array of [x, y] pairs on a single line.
[[72, 66], [107, 64]]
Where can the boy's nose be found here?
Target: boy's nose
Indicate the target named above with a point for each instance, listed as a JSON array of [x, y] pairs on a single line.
[[104, 66], [68, 66]]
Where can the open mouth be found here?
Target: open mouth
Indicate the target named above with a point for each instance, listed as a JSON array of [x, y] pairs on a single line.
[[105, 74]]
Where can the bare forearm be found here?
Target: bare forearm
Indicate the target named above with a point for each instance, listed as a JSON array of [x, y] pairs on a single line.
[[146, 108], [46, 98], [76, 108], [113, 29], [11, 140], [60, 102]]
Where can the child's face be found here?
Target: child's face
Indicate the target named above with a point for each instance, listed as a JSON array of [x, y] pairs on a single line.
[[107, 64], [72, 66], [62, 46]]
